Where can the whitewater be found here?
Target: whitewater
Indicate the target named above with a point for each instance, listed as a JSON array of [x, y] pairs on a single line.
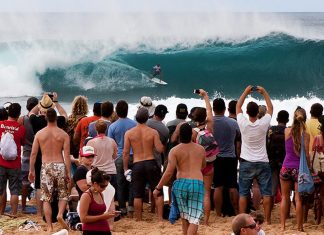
[[109, 56]]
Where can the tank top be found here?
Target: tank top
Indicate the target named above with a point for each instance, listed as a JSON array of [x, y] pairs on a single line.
[[96, 209], [291, 158]]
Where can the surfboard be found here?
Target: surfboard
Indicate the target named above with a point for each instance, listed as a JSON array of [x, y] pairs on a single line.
[[158, 81]]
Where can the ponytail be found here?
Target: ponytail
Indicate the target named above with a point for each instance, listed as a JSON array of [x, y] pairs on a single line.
[[297, 128]]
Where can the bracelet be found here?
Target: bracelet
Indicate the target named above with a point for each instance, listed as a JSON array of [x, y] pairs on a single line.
[[55, 101], [158, 189]]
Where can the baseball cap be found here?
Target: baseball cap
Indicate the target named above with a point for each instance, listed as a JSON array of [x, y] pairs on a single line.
[[161, 110], [6, 105], [182, 109], [87, 151]]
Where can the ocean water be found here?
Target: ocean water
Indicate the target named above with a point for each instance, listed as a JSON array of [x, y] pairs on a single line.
[[109, 56]]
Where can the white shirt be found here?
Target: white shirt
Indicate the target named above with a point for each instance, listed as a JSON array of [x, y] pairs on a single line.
[[253, 134]]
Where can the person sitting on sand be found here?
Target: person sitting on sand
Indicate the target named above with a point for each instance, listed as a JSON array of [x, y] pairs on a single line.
[[259, 219], [244, 224], [93, 211], [143, 140], [87, 155], [56, 167], [189, 159]]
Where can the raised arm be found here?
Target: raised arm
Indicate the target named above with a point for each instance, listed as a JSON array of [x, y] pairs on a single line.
[[59, 108], [241, 100], [209, 109], [267, 99]]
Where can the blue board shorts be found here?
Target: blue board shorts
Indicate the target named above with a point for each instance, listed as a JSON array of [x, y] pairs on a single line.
[[189, 195]]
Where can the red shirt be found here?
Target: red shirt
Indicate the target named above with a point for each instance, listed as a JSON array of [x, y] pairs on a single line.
[[82, 127], [18, 132]]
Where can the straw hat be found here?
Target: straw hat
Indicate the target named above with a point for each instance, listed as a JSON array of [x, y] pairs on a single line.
[[46, 103]]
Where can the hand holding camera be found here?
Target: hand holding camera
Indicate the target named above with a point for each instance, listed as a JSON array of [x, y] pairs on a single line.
[[200, 92]]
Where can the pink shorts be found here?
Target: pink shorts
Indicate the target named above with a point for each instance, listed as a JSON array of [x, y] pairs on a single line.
[[208, 168]]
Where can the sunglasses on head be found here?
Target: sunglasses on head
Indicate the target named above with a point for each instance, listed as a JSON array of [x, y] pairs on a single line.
[[103, 185], [251, 226]]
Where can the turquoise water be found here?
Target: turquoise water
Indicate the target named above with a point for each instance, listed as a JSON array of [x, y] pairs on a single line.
[[285, 65], [110, 56]]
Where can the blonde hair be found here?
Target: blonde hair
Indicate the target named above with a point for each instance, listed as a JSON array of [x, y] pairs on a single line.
[[80, 106], [297, 128], [101, 126]]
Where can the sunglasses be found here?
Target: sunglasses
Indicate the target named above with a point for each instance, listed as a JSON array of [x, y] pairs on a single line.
[[251, 226]]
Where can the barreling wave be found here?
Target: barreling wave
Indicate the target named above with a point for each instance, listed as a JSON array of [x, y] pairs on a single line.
[[286, 66]]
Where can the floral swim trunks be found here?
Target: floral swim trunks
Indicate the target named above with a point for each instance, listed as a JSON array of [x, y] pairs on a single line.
[[53, 177], [289, 174]]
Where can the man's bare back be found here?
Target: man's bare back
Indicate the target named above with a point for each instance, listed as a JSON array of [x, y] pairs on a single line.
[[142, 139], [51, 141], [189, 159]]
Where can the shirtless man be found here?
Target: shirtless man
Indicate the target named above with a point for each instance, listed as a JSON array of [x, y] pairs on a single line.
[[55, 173], [143, 139], [188, 190]]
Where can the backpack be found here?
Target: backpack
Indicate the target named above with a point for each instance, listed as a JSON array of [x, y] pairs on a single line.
[[276, 146], [206, 139], [8, 147]]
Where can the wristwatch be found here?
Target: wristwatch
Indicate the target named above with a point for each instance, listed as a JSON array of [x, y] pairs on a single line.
[[158, 189]]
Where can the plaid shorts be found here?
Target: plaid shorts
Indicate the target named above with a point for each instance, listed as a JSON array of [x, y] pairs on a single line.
[[189, 195]]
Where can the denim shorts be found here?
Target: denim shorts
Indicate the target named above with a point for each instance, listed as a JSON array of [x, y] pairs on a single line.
[[260, 171], [13, 176]]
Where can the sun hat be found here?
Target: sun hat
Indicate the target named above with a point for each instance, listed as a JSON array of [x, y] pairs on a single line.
[[146, 102], [87, 151], [46, 103]]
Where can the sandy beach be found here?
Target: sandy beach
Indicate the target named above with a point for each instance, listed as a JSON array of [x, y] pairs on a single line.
[[151, 226]]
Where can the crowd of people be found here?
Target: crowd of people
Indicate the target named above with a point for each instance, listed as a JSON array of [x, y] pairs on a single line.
[[112, 163]]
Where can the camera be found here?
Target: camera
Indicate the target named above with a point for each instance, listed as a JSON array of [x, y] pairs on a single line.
[[196, 91], [50, 94], [254, 88]]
